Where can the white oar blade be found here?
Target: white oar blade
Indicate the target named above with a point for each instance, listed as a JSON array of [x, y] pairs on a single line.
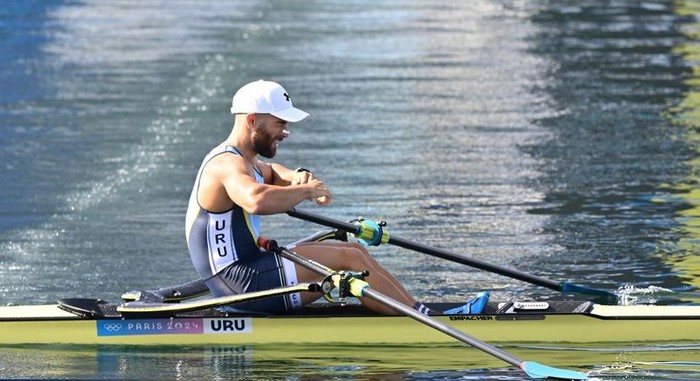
[[536, 370]]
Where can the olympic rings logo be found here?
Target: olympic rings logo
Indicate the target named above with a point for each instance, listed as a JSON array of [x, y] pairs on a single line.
[[112, 327]]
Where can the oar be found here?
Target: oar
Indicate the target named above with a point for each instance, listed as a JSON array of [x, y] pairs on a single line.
[[373, 234], [359, 288]]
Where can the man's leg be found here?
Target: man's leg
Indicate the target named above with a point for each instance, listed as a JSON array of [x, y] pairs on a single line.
[[352, 257]]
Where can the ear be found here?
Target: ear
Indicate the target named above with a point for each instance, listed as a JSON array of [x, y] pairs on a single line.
[[250, 119]]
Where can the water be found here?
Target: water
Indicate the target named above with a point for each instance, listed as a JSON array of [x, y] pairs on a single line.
[[557, 137]]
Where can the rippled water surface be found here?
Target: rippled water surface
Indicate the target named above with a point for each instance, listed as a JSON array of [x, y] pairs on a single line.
[[557, 137]]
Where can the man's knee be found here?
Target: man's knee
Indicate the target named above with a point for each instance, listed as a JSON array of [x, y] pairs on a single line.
[[341, 256], [354, 249]]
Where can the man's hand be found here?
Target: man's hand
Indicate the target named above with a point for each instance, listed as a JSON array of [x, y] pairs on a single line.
[[321, 194], [323, 200], [302, 176]]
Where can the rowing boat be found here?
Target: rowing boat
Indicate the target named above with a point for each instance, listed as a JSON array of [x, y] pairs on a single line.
[[186, 314], [92, 321], [176, 316]]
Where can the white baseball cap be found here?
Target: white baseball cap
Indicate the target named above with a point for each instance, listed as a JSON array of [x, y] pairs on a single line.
[[266, 97]]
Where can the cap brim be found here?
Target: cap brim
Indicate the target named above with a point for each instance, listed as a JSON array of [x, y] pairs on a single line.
[[291, 114]]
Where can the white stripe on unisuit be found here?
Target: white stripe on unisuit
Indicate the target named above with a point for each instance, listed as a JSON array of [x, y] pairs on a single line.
[[221, 250], [290, 275]]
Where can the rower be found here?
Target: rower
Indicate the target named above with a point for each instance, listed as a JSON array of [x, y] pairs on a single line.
[[234, 188]]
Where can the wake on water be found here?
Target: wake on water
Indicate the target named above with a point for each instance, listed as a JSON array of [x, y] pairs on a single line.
[[630, 295]]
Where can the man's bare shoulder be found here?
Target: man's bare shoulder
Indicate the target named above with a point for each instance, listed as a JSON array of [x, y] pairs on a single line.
[[224, 164]]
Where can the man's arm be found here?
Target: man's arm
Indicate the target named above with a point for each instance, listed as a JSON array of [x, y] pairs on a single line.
[[279, 174], [234, 173], [283, 176]]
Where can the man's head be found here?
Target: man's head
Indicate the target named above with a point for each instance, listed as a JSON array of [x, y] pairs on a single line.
[[266, 132], [266, 97]]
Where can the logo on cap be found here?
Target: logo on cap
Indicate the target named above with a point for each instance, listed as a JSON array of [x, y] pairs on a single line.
[[265, 97]]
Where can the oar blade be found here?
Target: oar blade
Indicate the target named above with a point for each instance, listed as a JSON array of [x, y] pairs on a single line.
[[536, 370], [606, 295]]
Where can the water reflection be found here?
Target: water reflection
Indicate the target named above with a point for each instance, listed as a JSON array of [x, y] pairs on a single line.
[[322, 362], [612, 154], [683, 255]]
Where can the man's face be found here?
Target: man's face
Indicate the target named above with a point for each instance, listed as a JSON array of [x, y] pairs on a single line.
[[268, 131]]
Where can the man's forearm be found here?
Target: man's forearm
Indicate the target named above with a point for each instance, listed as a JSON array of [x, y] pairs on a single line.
[[281, 175]]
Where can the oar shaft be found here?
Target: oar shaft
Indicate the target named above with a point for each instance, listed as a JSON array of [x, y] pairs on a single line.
[[398, 241], [532, 369], [322, 220], [440, 326], [408, 311], [463, 259]]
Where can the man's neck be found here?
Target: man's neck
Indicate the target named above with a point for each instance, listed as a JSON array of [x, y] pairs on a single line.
[[241, 142]]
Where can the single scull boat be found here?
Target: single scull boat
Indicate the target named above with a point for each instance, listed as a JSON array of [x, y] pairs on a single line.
[[158, 317], [91, 321]]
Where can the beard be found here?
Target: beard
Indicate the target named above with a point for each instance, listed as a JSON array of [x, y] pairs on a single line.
[[264, 144]]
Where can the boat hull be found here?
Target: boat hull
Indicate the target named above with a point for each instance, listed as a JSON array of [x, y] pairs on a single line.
[[610, 325]]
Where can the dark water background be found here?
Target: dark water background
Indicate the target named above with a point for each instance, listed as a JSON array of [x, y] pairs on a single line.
[[557, 137]]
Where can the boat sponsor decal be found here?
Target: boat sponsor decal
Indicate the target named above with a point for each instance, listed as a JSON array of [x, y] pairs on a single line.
[[180, 326], [520, 317], [470, 317], [498, 317]]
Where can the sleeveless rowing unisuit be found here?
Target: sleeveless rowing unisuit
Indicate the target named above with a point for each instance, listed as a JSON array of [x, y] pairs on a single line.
[[224, 250]]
